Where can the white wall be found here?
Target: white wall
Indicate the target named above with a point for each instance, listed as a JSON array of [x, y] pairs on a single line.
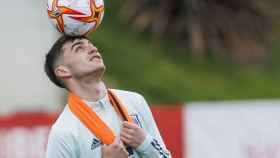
[[26, 36], [237, 129]]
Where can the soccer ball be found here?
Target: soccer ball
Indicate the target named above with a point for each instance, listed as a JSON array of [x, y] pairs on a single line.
[[76, 17]]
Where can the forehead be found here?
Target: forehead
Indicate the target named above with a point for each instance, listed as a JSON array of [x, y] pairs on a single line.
[[69, 44]]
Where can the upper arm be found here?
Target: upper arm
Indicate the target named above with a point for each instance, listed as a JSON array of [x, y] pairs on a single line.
[[153, 146], [149, 123], [61, 145]]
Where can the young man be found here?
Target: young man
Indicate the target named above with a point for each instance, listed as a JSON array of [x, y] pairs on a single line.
[[97, 122]]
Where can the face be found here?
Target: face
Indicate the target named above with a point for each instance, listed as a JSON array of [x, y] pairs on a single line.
[[81, 58]]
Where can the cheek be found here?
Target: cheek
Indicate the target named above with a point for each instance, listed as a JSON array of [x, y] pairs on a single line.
[[75, 63], [76, 59], [79, 65]]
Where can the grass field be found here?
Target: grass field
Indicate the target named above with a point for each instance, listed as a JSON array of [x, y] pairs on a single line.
[[164, 75]]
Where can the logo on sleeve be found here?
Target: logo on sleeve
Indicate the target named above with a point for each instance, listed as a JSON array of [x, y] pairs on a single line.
[[95, 143], [136, 119]]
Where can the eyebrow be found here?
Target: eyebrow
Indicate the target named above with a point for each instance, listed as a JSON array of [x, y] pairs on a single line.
[[75, 44]]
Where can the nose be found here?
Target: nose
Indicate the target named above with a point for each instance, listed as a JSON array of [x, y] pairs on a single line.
[[92, 49]]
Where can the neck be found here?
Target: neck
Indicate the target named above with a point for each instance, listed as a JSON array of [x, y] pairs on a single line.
[[88, 88]]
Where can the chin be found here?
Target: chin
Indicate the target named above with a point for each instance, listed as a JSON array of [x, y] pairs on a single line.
[[101, 67], [100, 70]]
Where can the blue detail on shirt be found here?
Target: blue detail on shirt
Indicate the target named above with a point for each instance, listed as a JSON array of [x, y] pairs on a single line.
[[158, 147], [95, 143], [136, 120]]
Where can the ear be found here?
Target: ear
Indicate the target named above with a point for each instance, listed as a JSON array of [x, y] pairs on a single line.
[[62, 72]]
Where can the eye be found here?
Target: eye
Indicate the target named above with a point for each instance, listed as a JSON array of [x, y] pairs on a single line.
[[78, 48]]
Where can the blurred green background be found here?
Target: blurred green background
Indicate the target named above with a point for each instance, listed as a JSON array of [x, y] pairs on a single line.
[[167, 73]]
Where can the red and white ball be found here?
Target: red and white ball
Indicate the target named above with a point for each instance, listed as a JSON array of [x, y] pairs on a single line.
[[76, 17]]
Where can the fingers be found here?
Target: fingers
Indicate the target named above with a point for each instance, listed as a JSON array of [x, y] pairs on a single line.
[[128, 131], [117, 144], [114, 150], [122, 144], [129, 128], [127, 139], [126, 135], [132, 135], [120, 147], [125, 152], [129, 125]]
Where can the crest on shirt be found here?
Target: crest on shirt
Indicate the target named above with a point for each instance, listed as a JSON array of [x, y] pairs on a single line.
[[136, 119], [95, 143]]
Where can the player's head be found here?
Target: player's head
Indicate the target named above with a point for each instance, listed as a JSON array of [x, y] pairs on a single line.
[[73, 58]]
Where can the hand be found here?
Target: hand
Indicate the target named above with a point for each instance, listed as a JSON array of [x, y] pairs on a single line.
[[132, 135], [114, 150]]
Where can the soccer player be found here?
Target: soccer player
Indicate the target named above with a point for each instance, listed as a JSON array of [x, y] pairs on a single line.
[[97, 122]]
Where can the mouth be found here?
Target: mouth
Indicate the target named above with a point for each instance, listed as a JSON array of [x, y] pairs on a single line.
[[95, 57]]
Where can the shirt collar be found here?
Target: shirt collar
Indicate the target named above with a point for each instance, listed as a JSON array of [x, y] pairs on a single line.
[[99, 103]]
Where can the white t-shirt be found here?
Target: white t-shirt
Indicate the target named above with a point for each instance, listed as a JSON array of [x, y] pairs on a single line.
[[69, 138]]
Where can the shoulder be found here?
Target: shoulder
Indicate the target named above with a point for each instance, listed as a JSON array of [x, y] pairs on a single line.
[[65, 126], [62, 141], [137, 107], [132, 100], [128, 95], [63, 135]]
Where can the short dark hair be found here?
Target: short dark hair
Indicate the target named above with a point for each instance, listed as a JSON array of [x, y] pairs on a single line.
[[54, 54]]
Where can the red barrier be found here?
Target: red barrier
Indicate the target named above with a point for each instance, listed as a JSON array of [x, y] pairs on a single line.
[[169, 121], [24, 135], [28, 120]]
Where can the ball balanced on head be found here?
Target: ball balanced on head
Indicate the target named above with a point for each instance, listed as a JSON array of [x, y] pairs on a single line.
[[76, 17]]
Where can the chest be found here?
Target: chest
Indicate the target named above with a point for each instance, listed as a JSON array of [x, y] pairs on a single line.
[[89, 145]]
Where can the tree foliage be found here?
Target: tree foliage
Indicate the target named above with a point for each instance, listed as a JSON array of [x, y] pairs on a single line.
[[234, 30]]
